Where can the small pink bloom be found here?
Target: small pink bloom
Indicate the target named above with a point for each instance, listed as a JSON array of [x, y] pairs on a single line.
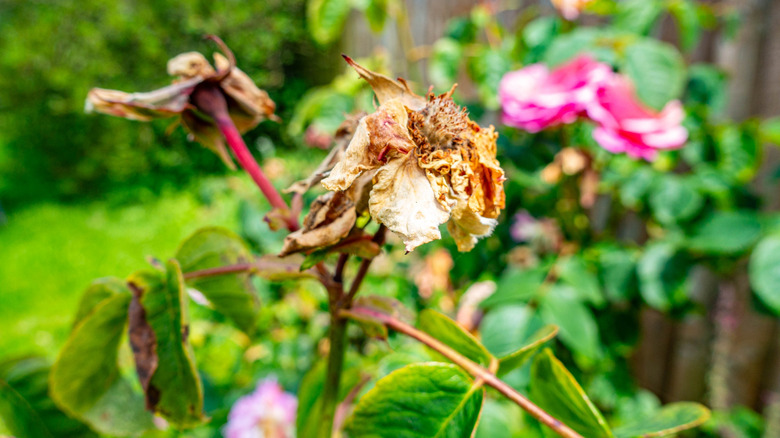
[[533, 98], [626, 125], [268, 412]]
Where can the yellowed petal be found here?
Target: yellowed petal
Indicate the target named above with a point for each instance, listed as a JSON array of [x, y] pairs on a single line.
[[387, 89], [378, 138], [466, 227], [165, 102], [403, 200], [189, 65]]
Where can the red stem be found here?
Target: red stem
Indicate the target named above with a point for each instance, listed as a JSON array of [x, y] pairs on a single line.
[[210, 100]]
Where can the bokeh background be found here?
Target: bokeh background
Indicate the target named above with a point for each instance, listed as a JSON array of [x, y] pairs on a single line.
[[84, 196]]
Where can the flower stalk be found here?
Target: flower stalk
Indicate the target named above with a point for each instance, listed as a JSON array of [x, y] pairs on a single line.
[[211, 101]]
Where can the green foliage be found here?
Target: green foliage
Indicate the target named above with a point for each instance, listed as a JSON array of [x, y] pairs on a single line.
[[555, 390], [53, 55], [170, 377], [657, 70], [85, 380], [25, 406], [449, 332], [669, 420], [233, 295], [427, 399], [765, 272]]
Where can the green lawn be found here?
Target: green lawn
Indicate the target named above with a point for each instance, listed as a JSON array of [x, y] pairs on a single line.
[[49, 253]]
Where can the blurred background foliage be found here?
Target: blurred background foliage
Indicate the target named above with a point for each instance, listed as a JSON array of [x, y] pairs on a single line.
[[662, 279]]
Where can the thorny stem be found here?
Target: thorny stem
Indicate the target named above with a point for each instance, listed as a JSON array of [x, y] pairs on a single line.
[[209, 99], [476, 370]]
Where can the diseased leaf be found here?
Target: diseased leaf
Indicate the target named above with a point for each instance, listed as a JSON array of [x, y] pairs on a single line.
[[669, 420], [450, 333], [232, 295], [164, 358], [274, 268], [420, 400], [556, 391]]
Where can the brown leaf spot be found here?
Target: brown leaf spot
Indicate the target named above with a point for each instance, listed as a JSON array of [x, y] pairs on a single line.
[[143, 342]]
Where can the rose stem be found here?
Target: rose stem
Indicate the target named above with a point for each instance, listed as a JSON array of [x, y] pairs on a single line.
[[209, 99]]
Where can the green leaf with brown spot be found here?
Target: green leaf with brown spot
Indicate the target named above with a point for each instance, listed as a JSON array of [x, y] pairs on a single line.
[[159, 330]]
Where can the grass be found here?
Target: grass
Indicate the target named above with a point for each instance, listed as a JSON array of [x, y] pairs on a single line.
[[49, 253]]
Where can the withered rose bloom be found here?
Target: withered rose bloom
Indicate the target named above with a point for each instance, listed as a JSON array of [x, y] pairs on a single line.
[[428, 163], [247, 104]]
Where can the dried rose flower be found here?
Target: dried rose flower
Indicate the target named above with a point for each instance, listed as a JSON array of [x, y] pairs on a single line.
[[430, 163], [247, 105], [268, 412]]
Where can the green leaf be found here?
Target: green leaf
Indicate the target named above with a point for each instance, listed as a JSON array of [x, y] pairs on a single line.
[[637, 16], [568, 45], [578, 328], [770, 130], [25, 406], [450, 333], [657, 70], [232, 295], [326, 19], [486, 69], [764, 272], [556, 391], [427, 399], [85, 381], [376, 14], [159, 330], [662, 275], [738, 152], [726, 233], [636, 186], [618, 273], [674, 199], [516, 286], [98, 291], [540, 31], [669, 420], [87, 365], [574, 272], [504, 329], [445, 62], [518, 358], [688, 23], [501, 419], [383, 305]]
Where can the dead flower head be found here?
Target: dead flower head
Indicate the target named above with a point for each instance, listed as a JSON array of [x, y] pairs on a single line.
[[247, 104], [430, 163]]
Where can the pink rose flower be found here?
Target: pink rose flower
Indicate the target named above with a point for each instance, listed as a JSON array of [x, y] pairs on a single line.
[[626, 125], [533, 98], [268, 412]]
